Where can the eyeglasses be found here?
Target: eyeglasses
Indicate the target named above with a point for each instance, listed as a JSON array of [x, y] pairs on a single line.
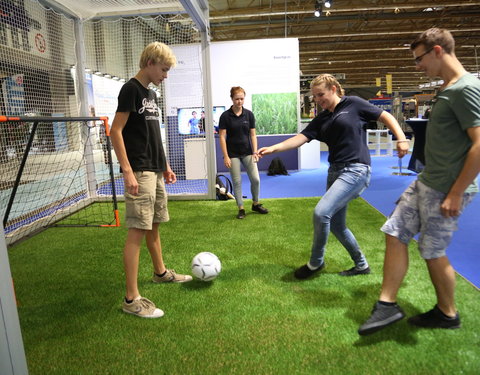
[[418, 59]]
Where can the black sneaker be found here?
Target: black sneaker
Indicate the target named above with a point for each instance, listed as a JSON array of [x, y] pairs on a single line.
[[435, 318], [259, 208], [354, 271], [382, 316], [304, 272], [241, 214]]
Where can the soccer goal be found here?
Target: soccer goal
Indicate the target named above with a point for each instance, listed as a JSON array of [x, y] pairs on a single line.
[[56, 171]]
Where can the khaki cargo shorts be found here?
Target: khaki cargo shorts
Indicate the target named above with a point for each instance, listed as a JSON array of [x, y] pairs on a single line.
[[150, 205]]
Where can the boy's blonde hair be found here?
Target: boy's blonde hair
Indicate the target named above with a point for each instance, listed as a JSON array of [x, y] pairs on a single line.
[[158, 53], [329, 82]]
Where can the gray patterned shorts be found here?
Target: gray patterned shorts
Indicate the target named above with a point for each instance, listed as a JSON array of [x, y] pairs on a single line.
[[418, 211]]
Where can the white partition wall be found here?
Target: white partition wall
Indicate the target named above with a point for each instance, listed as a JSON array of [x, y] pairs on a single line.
[[268, 70], [309, 153]]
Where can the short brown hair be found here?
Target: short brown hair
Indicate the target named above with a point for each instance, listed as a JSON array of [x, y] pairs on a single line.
[[329, 82], [157, 52], [236, 89], [433, 37]]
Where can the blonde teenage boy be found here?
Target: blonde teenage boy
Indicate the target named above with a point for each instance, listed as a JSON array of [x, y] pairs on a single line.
[[137, 143]]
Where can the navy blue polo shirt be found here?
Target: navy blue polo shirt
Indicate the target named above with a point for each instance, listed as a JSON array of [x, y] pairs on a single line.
[[343, 130], [238, 132]]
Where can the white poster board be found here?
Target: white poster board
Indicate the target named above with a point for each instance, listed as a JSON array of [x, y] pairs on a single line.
[[183, 86], [105, 96], [263, 66]]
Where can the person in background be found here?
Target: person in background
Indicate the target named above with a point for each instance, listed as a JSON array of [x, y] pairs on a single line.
[[137, 142], [201, 123], [341, 125], [432, 204], [238, 141], [427, 113], [193, 123]]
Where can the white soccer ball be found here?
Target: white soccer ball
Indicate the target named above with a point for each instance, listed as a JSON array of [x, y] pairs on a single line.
[[206, 266]]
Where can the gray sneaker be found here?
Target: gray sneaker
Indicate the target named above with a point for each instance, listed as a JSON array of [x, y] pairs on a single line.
[[355, 271], [382, 316], [142, 307], [171, 277]]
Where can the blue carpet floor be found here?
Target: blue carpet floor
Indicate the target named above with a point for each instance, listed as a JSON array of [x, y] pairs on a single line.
[[384, 190]]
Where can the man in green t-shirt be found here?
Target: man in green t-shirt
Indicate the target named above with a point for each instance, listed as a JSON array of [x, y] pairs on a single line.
[[431, 205]]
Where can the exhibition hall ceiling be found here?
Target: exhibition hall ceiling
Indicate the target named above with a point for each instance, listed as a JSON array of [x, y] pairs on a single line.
[[359, 39]]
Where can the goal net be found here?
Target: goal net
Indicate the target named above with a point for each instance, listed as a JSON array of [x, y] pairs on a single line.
[[57, 63], [55, 171], [113, 48]]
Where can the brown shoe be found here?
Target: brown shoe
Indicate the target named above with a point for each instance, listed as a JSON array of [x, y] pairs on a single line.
[[241, 214], [259, 208]]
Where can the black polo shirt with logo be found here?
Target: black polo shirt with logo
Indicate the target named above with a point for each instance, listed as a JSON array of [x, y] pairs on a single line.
[[344, 130], [238, 132]]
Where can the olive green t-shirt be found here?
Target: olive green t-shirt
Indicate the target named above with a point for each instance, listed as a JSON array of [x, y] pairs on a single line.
[[455, 109]]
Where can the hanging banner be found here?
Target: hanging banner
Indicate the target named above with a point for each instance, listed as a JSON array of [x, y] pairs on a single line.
[[388, 79], [378, 81]]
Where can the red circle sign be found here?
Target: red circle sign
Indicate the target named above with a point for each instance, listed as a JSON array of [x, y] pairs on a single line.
[[40, 43]]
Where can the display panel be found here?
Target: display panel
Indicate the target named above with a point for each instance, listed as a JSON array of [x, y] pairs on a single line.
[[191, 120]]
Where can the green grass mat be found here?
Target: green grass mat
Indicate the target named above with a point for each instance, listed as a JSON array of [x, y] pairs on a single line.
[[253, 319]]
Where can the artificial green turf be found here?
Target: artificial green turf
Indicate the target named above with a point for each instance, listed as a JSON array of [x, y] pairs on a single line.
[[253, 319]]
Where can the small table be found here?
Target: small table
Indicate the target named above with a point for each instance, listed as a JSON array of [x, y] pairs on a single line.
[[419, 127]]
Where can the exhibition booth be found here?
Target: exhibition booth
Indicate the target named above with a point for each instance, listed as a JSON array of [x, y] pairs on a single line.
[[270, 80]]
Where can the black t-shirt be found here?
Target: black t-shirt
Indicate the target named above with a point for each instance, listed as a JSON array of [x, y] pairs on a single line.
[[238, 132], [141, 134], [343, 130]]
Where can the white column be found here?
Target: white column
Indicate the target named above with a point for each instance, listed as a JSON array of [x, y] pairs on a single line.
[[83, 111], [12, 353]]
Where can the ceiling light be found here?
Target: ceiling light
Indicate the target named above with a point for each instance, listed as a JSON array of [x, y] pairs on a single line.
[[327, 3], [318, 9]]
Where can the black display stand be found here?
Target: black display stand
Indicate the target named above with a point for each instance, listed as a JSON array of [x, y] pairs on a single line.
[[417, 160]]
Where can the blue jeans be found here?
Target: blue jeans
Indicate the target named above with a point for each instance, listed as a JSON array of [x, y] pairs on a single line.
[[344, 183], [253, 175]]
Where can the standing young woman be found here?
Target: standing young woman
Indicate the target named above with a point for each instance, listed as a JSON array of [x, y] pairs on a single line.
[[238, 141], [342, 127]]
